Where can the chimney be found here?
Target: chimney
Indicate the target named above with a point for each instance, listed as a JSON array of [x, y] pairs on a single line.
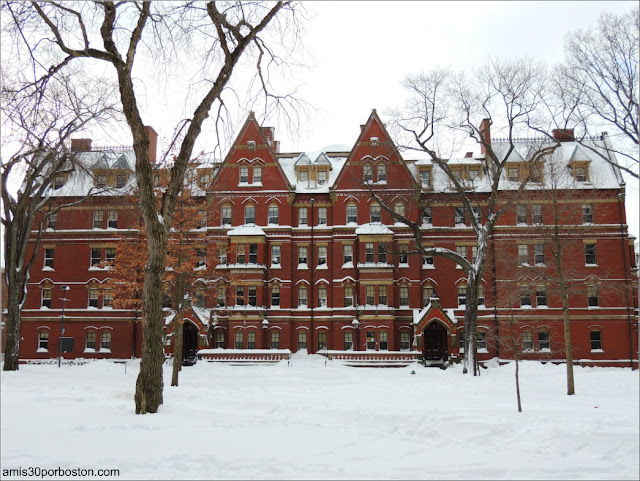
[[153, 142], [468, 155], [80, 145], [362, 128], [276, 146], [485, 133], [563, 135], [268, 134]]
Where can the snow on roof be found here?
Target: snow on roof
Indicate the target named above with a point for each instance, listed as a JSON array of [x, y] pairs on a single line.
[[288, 165], [373, 228], [247, 229]]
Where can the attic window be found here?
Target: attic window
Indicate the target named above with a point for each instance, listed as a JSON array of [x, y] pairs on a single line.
[[374, 141], [251, 145], [121, 180], [101, 180], [322, 177], [580, 170], [58, 182]]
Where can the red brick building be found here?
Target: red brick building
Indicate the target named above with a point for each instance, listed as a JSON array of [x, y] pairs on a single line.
[[310, 260]]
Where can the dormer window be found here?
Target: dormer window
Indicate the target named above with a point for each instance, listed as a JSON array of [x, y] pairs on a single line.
[[101, 180], [304, 176], [580, 170], [251, 145], [513, 174], [322, 177], [121, 180], [205, 180], [580, 174], [473, 174], [425, 177], [374, 141], [58, 182], [244, 174]]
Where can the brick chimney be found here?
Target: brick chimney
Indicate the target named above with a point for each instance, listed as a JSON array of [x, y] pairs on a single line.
[[485, 132], [153, 142], [563, 135], [80, 145], [268, 134]]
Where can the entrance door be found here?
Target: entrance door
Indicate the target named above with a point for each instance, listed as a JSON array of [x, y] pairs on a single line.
[[435, 343], [189, 342]]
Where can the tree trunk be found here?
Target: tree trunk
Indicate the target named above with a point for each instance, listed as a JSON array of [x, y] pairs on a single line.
[[518, 386], [568, 346], [177, 348], [149, 384], [12, 341], [471, 326]]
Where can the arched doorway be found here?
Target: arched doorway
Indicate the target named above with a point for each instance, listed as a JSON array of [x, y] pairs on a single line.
[[435, 346], [189, 343]]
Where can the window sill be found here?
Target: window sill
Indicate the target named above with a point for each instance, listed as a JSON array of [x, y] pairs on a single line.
[[275, 266], [593, 307], [96, 268], [42, 349], [348, 265], [428, 266], [403, 265], [322, 266], [302, 266], [48, 269], [591, 265], [483, 351], [88, 349], [597, 350]]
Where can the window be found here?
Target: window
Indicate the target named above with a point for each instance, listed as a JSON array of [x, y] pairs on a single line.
[[95, 257], [473, 174], [302, 340], [253, 253], [302, 296], [370, 295], [371, 340], [239, 295], [426, 216], [322, 177], [347, 253], [43, 341], [477, 214], [110, 255], [474, 254], [527, 341], [399, 209], [220, 339], [384, 343], [48, 257], [538, 254], [367, 173], [404, 341], [244, 175], [592, 295], [457, 174], [459, 216], [302, 255], [535, 173], [322, 297], [302, 216], [201, 257], [536, 214], [257, 175], [587, 214], [275, 296], [322, 341], [382, 295], [222, 256], [221, 297], [253, 296], [112, 222], [521, 214], [382, 173], [348, 340], [374, 213], [90, 341], [121, 180], [273, 214], [368, 252], [425, 178], [304, 176], [525, 296], [403, 257], [202, 216], [427, 261], [352, 214], [461, 251], [93, 297], [101, 180], [481, 295], [590, 253], [544, 341], [98, 216], [239, 341], [481, 341], [108, 298], [52, 221], [275, 255], [523, 254], [251, 340], [204, 180], [541, 296], [348, 296], [58, 182], [382, 252], [198, 301], [226, 215], [105, 341], [46, 297], [275, 340], [596, 341], [322, 216], [427, 292], [250, 214], [322, 255], [404, 296], [580, 174], [462, 295], [513, 174]]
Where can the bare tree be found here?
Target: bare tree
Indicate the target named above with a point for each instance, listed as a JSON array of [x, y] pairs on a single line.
[[598, 84], [443, 108], [38, 124], [114, 33]]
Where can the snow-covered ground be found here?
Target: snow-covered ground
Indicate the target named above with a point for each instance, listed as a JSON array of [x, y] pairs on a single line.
[[309, 421]]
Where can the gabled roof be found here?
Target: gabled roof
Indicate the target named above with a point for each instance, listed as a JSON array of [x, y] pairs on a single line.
[[121, 163]]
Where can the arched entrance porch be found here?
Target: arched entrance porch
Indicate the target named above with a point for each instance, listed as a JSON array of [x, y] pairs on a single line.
[[435, 344], [190, 334]]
